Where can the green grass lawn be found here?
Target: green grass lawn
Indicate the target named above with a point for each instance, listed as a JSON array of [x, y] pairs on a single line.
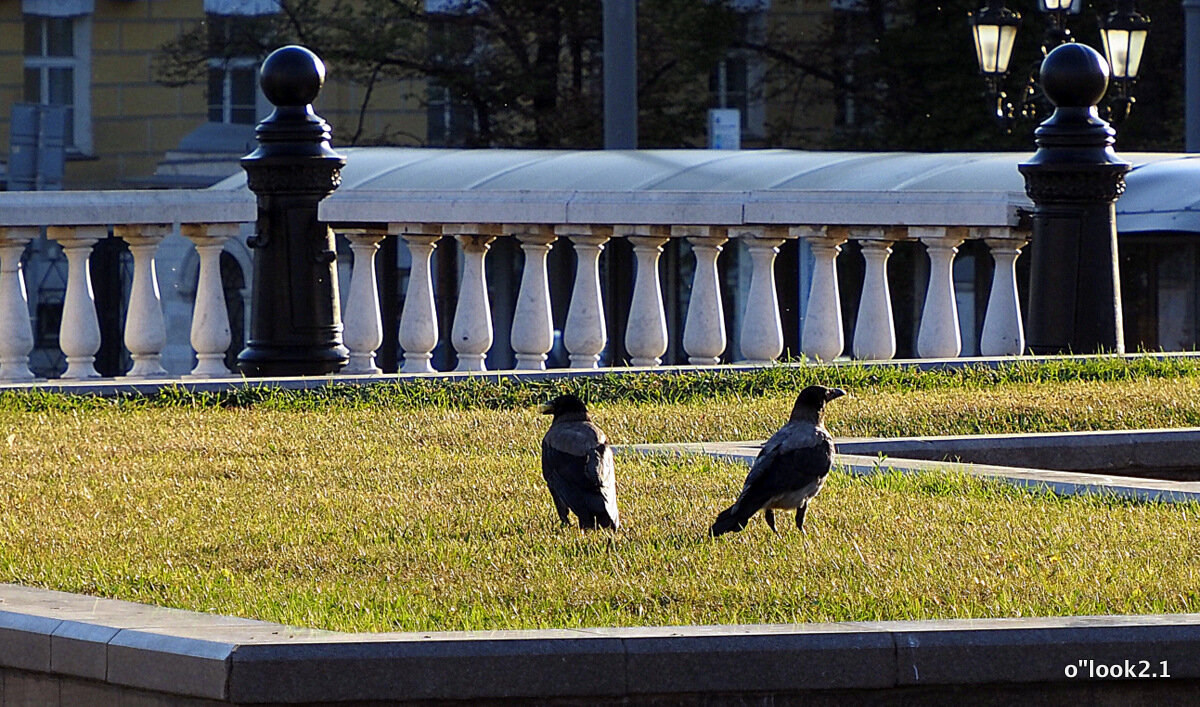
[[422, 507]]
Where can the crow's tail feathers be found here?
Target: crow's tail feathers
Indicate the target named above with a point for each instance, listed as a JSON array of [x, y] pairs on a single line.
[[730, 520]]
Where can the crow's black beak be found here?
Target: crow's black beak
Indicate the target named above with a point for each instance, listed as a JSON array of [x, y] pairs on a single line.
[[546, 409], [834, 394]]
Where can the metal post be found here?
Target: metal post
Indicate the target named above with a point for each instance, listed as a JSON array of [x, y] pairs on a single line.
[[1191, 62], [295, 320], [1074, 179], [620, 75]]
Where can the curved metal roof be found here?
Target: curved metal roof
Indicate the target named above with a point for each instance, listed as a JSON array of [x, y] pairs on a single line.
[[1163, 190]]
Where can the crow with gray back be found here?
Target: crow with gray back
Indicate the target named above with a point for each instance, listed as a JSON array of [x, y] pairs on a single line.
[[577, 465], [790, 468]]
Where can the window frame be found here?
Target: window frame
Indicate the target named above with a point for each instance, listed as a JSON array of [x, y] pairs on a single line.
[[228, 67], [80, 62], [221, 59]]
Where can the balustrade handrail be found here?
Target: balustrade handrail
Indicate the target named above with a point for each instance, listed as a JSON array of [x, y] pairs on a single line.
[[117, 207], [669, 207]]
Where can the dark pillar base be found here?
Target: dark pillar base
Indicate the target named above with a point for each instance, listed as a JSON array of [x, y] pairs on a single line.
[[258, 361]]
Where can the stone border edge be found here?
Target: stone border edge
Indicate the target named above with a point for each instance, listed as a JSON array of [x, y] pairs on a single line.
[[242, 661]]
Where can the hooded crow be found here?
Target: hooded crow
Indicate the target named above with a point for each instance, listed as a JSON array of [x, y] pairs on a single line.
[[790, 468], [578, 465]]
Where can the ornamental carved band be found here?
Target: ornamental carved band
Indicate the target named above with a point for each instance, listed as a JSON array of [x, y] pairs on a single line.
[[317, 178], [1099, 184]]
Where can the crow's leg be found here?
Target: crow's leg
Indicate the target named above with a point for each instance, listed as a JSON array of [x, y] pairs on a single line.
[[769, 516], [561, 508], [800, 517]]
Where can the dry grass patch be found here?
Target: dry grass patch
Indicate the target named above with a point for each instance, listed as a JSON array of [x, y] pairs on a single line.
[[375, 518]]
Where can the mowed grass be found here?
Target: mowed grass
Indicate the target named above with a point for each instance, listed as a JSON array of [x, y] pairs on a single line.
[[366, 516]]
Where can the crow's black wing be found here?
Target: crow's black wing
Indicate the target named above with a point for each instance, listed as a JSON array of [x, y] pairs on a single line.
[[584, 483], [782, 471], [600, 466], [794, 459]]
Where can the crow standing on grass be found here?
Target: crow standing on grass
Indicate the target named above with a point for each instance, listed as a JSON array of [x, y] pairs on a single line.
[[578, 465], [790, 469]]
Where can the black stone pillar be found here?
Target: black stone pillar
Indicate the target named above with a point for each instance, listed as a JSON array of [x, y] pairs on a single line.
[[295, 317], [1074, 179]]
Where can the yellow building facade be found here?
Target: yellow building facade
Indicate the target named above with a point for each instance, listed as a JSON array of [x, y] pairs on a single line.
[[96, 58]]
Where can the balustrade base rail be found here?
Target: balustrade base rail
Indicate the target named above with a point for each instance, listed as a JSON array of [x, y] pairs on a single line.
[[125, 386]]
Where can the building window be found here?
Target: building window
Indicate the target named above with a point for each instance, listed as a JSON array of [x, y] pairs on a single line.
[[450, 117], [736, 81], [232, 91], [451, 121], [235, 53], [57, 72]]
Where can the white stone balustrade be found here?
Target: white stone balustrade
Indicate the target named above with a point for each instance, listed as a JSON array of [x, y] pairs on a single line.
[[418, 319], [586, 333], [823, 337], [79, 335], [704, 337], [586, 224], [211, 335], [471, 333], [1003, 333], [363, 323], [17, 341], [646, 328], [532, 333], [145, 328], [939, 335], [875, 328], [761, 339]]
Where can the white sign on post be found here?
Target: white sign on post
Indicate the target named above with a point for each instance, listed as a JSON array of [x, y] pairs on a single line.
[[724, 128]]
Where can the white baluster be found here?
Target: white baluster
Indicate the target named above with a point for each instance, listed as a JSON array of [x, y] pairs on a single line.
[[418, 321], [761, 338], [145, 328], [704, 337], [586, 333], [646, 329], [875, 328], [532, 333], [211, 335], [822, 337], [1003, 332], [363, 333], [17, 341], [79, 335], [471, 332], [939, 336]]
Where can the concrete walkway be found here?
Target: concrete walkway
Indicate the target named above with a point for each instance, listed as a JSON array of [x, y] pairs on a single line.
[[1139, 449]]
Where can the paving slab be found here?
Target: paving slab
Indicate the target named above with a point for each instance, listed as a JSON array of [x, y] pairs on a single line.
[[528, 668], [25, 640], [1060, 482]]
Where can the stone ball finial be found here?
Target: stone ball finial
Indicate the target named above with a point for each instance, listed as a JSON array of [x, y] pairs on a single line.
[[1074, 76], [292, 76]]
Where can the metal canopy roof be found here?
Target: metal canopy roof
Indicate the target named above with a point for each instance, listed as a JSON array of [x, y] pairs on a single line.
[[676, 170], [1163, 191]]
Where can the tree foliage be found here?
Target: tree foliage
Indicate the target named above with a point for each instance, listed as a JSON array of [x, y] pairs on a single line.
[[867, 74], [529, 71]]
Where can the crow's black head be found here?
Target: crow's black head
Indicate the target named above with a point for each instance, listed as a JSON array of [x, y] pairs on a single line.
[[811, 401], [564, 405]]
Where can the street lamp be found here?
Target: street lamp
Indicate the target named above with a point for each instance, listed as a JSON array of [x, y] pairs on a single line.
[[1124, 32], [994, 28]]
